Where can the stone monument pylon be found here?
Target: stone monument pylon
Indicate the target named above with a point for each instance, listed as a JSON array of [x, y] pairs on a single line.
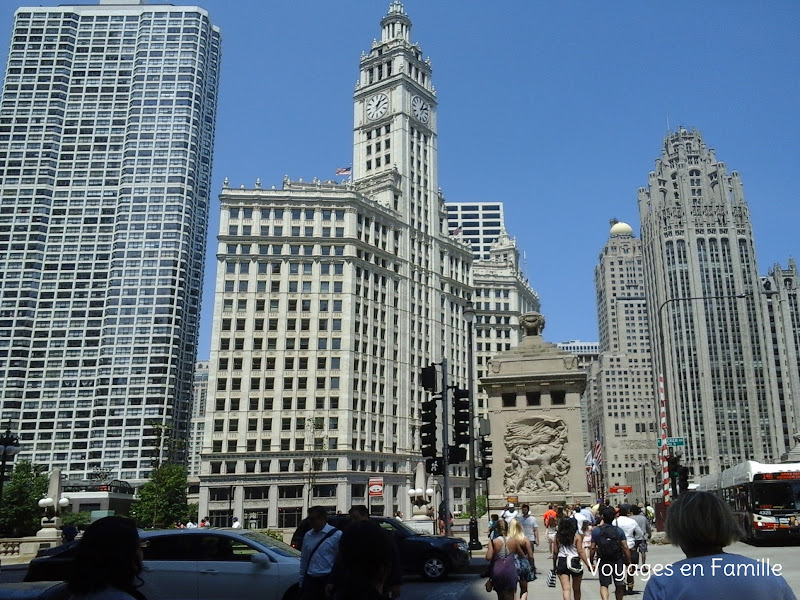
[[535, 419]]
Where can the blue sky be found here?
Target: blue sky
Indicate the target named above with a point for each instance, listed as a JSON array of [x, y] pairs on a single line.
[[557, 109]]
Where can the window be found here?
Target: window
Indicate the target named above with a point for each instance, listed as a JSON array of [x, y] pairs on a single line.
[[509, 400]]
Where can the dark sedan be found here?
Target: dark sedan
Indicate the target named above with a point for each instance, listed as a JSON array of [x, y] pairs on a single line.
[[431, 556]]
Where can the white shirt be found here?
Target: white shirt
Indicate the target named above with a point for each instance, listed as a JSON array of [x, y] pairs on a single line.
[[237, 525], [509, 515], [631, 529], [529, 524], [579, 519], [191, 525]]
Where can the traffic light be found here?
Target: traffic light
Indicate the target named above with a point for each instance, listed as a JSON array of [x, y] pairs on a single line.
[[483, 473], [683, 479], [461, 417], [674, 464], [486, 451], [427, 431], [428, 377], [456, 454]]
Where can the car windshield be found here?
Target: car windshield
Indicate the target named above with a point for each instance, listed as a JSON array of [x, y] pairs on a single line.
[[270, 542], [776, 495]]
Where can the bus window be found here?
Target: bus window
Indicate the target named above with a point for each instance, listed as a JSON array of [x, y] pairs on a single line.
[[776, 495]]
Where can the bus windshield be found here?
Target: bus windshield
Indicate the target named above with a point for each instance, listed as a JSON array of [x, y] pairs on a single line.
[[776, 495]]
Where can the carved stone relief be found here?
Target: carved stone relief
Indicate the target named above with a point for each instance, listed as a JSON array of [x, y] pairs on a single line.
[[536, 460]]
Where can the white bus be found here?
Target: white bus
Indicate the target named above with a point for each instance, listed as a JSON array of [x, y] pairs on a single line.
[[765, 499]]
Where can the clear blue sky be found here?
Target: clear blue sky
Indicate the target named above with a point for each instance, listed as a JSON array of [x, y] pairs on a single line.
[[557, 109]]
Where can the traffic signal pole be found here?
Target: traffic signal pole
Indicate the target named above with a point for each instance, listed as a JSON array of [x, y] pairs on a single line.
[[445, 506]]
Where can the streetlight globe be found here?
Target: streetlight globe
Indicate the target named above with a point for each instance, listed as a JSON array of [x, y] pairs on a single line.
[[469, 312], [63, 502], [12, 449], [412, 492], [46, 502], [428, 492]]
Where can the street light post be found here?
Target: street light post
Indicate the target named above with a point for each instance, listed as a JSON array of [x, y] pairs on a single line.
[[9, 446], [474, 542]]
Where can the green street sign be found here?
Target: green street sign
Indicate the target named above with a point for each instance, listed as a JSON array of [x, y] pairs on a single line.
[[673, 442]]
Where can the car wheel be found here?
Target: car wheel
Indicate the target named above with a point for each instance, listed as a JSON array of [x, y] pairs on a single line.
[[434, 567]]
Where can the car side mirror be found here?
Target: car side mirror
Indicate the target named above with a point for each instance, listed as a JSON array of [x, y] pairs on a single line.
[[261, 559]]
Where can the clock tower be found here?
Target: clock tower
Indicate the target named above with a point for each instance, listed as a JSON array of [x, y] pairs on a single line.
[[395, 124]]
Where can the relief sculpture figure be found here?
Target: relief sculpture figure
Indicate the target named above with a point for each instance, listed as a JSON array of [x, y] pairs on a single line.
[[536, 460]]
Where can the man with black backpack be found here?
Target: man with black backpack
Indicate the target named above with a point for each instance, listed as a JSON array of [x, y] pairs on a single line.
[[610, 546]]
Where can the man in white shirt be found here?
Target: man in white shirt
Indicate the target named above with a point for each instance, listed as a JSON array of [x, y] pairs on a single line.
[[320, 547], [236, 523], [587, 512], [531, 528], [509, 513], [191, 525], [632, 533]]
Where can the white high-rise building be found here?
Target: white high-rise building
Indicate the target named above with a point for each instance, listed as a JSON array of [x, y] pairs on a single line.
[[198, 418], [621, 407], [477, 223], [502, 294], [330, 299], [106, 133], [708, 312]]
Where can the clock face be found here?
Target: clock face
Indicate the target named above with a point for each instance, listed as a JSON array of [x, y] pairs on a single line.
[[377, 106], [420, 109]]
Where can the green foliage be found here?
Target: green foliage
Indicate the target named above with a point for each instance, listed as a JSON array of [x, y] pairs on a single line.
[[480, 508], [78, 519], [278, 535], [162, 500], [20, 514], [193, 510]]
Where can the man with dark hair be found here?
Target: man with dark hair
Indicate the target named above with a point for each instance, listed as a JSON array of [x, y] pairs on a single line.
[[320, 547], [610, 546], [344, 572], [633, 534]]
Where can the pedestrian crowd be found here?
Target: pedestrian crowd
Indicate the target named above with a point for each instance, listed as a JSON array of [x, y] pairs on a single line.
[[612, 543]]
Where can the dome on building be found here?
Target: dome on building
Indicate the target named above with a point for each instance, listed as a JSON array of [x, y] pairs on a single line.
[[620, 228]]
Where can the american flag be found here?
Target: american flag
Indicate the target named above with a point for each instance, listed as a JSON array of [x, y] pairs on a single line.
[[456, 231], [597, 449], [344, 170]]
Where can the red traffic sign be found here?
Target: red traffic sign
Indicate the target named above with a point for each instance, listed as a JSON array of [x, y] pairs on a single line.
[[375, 486], [620, 489]]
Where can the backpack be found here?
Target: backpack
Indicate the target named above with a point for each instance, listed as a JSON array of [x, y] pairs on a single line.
[[608, 544]]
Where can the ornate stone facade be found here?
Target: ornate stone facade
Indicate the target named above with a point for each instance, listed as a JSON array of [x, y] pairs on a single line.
[[534, 411]]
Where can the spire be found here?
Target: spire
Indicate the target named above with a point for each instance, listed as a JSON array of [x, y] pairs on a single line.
[[396, 24]]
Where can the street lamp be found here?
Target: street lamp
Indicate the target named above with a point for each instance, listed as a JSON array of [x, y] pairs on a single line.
[[9, 447], [663, 358], [474, 542]]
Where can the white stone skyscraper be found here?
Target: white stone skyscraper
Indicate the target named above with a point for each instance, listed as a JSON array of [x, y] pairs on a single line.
[[711, 333], [330, 298], [106, 132], [620, 401]]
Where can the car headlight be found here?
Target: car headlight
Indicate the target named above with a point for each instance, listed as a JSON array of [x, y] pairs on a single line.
[[462, 546]]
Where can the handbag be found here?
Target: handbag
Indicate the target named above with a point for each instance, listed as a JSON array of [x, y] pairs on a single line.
[[574, 565], [551, 578], [503, 569]]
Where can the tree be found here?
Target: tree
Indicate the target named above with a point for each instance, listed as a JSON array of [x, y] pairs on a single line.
[[20, 514], [162, 500], [79, 519]]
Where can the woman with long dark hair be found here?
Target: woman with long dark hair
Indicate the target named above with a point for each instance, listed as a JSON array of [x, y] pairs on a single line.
[[108, 562], [569, 554]]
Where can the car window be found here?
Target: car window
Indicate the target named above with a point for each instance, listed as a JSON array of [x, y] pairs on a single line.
[[169, 547], [276, 546], [219, 548]]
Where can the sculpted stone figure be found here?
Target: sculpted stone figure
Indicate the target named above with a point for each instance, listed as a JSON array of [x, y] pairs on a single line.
[[536, 460], [532, 323]]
